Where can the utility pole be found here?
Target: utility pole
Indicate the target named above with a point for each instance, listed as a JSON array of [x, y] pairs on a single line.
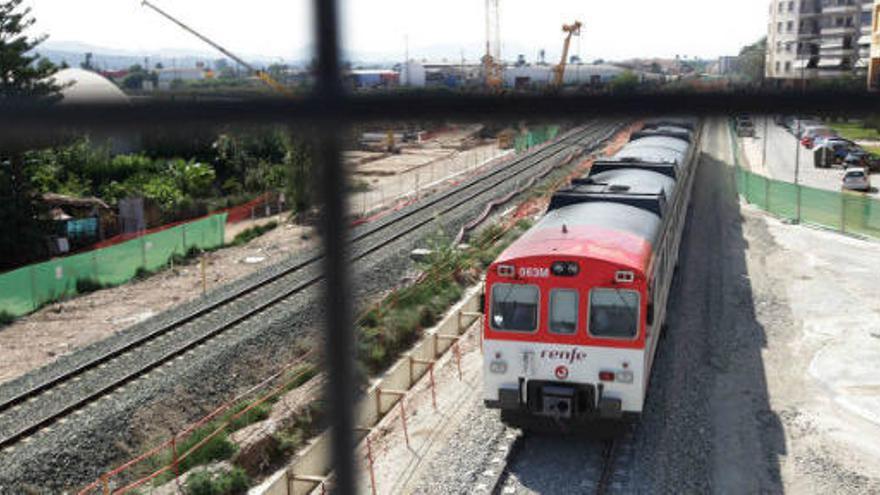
[[764, 156], [797, 149]]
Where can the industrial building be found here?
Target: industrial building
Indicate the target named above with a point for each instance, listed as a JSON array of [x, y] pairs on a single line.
[[532, 76], [874, 62], [809, 39]]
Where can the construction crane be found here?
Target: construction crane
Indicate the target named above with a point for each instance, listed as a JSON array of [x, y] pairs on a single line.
[[559, 70], [492, 70], [263, 75]]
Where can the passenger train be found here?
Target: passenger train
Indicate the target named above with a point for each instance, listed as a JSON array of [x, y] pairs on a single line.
[[575, 307]]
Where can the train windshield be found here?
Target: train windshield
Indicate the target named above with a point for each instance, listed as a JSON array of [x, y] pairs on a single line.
[[563, 311], [515, 307], [614, 313]]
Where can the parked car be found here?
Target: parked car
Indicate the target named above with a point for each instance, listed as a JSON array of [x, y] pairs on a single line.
[[840, 147], [833, 140], [856, 179], [858, 157], [812, 131]]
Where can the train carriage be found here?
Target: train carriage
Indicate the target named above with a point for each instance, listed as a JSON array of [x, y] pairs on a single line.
[[575, 307]]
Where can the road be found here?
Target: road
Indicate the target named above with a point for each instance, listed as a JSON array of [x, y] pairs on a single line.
[[752, 390], [782, 161]]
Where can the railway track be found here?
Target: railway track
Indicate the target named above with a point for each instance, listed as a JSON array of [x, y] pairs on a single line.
[[27, 412], [543, 463]]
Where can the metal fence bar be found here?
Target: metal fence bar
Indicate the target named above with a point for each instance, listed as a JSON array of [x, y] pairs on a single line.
[[339, 337], [21, 120]]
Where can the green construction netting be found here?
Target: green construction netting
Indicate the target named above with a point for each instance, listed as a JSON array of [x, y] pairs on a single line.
[[26, 289], [861, 215], [15, 288], [845, 211], [756, 190], [782, 199], [535, 137], [821, 207]]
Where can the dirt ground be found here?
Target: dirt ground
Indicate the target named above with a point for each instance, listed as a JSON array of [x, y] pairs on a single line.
[[43, 336], [814, 296], [822, 361]]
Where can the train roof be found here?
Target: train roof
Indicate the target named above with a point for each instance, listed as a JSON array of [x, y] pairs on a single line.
[[655, 149], [675, 132], [666, 168], [685, 122], [644, 189], [617, 233]]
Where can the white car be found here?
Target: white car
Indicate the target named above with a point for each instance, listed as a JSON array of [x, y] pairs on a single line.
[[857, 179]]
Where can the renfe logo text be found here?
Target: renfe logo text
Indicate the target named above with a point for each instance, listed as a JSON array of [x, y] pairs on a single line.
[[568, 356]]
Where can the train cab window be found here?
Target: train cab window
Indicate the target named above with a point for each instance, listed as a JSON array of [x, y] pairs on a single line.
[[515, 307], [614, 313], [563, 311]]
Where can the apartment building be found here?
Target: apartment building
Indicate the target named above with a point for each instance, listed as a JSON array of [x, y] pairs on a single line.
[[818, 38]]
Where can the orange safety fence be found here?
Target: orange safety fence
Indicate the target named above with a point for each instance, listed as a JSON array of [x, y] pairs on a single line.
[[247, 210], [102, 484], [235, 214]]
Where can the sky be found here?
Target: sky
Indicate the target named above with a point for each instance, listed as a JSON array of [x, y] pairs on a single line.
[[613, 29]]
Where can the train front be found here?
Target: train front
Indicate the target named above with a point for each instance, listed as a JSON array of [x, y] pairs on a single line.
[[564, 333]]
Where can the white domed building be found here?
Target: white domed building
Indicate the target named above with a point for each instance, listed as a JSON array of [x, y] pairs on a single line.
[[80, 86], [84, 86]]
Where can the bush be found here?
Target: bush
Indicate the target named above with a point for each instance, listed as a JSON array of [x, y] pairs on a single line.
[[142, 273], [86, 285], [218, 448], [300, 376], [252, 233], [257, 413], [225, 482]]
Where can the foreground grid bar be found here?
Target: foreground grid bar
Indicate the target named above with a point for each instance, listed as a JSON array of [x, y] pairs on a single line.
[[339, 337]]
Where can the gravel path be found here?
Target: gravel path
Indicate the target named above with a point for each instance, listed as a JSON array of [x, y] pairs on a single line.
[[707, 424], [79, 449], [765, 381]]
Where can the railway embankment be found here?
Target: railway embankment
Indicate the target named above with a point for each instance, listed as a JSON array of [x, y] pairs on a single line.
[[156, 404]]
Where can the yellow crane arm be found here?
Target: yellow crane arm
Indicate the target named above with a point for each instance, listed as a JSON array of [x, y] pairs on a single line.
[[559, 70], [266, 78]]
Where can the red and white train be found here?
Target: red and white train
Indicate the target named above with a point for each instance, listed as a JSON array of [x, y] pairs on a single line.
[[575, 307]]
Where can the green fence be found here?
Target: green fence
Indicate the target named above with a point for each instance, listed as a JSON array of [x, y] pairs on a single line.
[[28, 288], [536, 137], [848, 212]]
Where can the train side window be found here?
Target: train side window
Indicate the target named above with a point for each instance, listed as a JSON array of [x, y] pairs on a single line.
[[563, 311], [614, 313], [515, 307]]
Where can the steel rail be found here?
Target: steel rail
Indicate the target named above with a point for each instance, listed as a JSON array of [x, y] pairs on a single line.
[[530, 162], [609, 456], [200, 312]]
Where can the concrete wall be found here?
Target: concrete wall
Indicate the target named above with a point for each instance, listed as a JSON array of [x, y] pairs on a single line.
[[313, 462]]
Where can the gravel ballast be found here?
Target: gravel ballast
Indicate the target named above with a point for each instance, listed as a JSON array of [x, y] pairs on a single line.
[[80, 448]]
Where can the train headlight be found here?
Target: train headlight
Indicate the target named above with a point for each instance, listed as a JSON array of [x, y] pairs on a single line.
[[498, 367], [624, 376], [506, 270], [565, 268]]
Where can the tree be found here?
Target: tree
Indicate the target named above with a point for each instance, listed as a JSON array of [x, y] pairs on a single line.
[[87, 64], [626, 82], [752, 59], [136, 77], [24, 75]]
